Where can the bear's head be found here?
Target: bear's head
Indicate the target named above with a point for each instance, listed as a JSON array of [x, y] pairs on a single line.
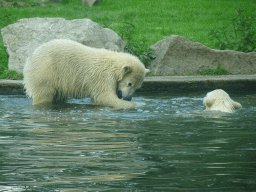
[[219, 100], [132, 76]]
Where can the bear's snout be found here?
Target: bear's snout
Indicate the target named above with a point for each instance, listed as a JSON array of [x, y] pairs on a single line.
[[127, 98], [120, 96]]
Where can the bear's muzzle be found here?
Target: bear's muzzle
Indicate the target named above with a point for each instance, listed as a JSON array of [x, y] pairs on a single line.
[[120, 96], [128, 98]]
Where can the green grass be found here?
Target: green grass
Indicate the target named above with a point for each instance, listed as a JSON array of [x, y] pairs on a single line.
[[218, 71], [151, 20], [11, 74]]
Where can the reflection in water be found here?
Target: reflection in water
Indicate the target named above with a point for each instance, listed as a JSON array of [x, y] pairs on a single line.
[[167, 143]]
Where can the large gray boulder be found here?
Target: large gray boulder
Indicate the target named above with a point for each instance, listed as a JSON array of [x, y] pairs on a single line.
[[178, 56], [22, 38]]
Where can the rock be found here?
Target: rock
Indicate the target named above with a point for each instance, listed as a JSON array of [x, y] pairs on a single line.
[[90, 3], [21, 38], [178, 56]]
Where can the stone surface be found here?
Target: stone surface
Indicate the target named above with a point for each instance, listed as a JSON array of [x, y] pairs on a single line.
[[178, 56], [22, 38], [90, 3]]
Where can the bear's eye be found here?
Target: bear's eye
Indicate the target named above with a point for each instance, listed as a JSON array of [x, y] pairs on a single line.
[[129, 84]]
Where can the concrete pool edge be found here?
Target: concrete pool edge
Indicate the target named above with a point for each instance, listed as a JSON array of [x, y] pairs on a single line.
[[232, 83]]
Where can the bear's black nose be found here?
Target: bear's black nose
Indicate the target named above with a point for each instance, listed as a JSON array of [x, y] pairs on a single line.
[[128, 98], [119, 94]]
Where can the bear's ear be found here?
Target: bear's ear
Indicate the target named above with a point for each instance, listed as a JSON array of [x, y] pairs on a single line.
[[127, 69], [208, 101], [237, 105], [147, 71]]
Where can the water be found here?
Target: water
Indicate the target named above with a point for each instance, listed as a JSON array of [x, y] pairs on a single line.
[[168, 143]]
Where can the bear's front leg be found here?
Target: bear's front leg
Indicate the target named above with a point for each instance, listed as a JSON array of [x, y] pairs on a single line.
[[122, 104], [113, 101]]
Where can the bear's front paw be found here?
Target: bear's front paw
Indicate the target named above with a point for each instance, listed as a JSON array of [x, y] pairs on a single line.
[[124, 104]]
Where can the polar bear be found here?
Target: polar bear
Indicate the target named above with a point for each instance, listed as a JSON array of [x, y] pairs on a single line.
[[219, 100], [62, 68]]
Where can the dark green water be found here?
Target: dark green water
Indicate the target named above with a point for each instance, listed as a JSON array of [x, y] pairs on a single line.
[[168, 143]]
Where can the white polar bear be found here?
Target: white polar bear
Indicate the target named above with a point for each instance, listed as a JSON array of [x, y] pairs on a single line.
[[219, 100], [62, 68]]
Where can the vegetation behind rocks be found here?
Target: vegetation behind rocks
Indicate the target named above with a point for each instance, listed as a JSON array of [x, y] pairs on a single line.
[[218, 71], [241, 37]]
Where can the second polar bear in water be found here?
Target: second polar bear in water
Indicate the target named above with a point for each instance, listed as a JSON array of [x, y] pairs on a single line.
[[62, 68], [219, 100]]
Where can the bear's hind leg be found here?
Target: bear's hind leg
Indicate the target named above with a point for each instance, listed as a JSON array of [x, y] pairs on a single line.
[[44, 96], [38, 100]]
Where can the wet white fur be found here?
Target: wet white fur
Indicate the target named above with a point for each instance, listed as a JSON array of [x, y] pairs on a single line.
[[62, 68], [219, 100]]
